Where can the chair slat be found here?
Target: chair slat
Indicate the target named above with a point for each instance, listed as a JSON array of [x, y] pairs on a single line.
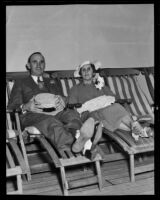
[[18, 154], [64, 89], [9, 157], [144, 104], [8, 121], [62, 153], [70, 154]]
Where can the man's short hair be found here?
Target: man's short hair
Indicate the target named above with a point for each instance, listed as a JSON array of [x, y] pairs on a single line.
[[29, 59]]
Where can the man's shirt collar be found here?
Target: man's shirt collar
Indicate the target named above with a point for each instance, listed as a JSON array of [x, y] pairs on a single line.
[[36, 77]]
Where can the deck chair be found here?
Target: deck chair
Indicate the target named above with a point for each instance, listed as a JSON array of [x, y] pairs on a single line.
[[13, 170], [124, 83], [66, 159]]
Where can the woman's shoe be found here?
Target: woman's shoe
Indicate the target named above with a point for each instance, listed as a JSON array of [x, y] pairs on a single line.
[[138, 130], [98, 134]]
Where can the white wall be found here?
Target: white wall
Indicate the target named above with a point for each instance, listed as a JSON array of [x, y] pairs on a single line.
[[117, 35]]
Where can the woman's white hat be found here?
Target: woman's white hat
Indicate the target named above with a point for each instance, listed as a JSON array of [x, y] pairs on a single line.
[[99, 81], [97, 65]]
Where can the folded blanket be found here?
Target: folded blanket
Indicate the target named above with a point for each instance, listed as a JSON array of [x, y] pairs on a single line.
[[96, 103]]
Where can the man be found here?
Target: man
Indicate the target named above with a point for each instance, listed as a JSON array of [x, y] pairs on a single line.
[[22, 96]]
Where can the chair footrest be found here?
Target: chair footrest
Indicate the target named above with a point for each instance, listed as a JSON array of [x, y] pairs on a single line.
[[14, 171], [78, 160]]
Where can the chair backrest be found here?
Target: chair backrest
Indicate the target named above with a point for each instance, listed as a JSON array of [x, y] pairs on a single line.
[[122, 81], [9, 86], [10, 117], [149, 76], [66, 80], [127, 86]]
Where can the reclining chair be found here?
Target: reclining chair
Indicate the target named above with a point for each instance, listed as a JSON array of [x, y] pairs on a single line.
[[125, 84], [122, 82], [61, 159]]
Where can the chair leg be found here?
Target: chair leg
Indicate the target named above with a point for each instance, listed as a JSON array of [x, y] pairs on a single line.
[[132, 174], [140, 158], [19, 184], [25, 159], [111, 149], [64, 181], [99, 174]]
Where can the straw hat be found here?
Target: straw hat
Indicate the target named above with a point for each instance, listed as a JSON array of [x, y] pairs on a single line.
[[46, 100]]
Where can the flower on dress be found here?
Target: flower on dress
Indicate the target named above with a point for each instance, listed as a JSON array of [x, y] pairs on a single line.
[[98, 80]]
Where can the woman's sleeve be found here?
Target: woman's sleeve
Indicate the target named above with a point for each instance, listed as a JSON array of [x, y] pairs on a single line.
[[72, 96], [108, 92]]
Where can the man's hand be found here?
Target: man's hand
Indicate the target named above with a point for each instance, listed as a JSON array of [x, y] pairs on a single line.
[[32, 106]]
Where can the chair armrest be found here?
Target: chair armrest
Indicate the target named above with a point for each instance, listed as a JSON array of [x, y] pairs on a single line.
[[123, 101], [18, 110], [72, 106], [120, 101], [9, 111]]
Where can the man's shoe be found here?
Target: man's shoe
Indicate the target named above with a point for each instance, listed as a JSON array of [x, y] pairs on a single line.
[[30, 133], [86, 132]]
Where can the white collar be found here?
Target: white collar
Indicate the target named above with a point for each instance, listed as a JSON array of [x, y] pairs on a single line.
[[36, 77]]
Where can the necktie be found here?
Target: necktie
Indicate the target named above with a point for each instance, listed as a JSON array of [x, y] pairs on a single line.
[[40, 83]]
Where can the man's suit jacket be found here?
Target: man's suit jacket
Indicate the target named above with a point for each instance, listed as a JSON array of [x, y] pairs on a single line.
[[24, 89]]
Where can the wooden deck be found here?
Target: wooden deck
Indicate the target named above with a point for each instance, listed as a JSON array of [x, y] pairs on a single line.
[[117, 181]]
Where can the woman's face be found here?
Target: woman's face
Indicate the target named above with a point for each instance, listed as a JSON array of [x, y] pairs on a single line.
[[87, 72]]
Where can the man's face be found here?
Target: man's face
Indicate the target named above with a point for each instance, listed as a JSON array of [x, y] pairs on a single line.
[[87, 72], [36, 65]]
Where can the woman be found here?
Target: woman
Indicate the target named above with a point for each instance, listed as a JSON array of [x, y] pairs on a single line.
[[90, 91]]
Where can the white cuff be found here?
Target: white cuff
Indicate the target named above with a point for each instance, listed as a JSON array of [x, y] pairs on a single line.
[[23, 111]]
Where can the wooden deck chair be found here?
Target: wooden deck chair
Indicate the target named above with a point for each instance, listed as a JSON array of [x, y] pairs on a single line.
[[123, 82], [13, 169], [66, 81], [66, 159]]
